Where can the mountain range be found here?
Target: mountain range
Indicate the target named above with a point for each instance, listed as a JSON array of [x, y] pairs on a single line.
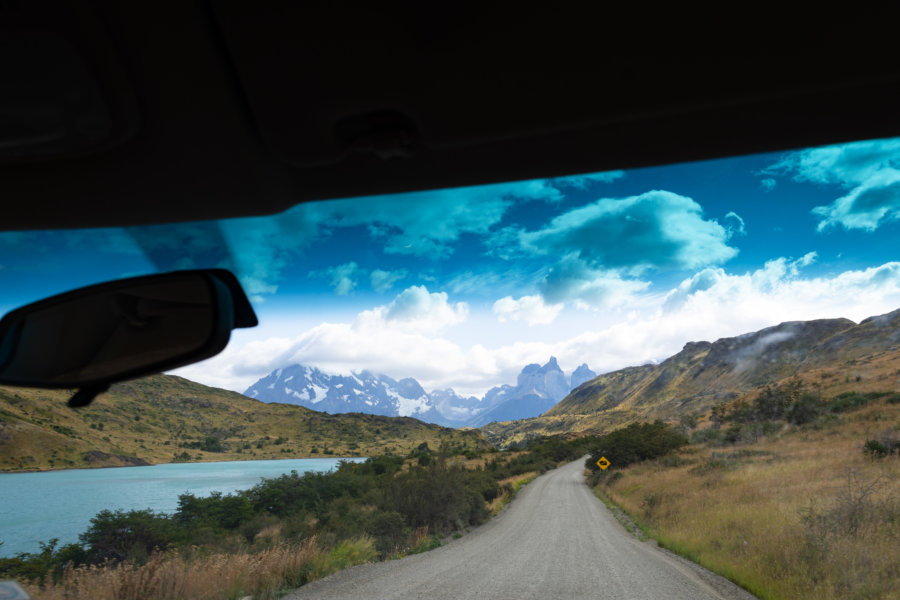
[[831, 355], [537, 389]]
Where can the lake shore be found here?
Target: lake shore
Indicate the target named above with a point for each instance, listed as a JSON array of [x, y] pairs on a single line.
[[147, 463]]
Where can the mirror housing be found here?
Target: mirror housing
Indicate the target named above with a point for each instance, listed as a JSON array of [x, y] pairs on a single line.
[[98, 335]]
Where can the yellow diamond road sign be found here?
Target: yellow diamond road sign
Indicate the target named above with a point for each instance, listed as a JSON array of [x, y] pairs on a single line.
[[603, 463]]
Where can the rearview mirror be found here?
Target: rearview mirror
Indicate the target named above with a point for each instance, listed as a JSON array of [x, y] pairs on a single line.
[[95, 336]]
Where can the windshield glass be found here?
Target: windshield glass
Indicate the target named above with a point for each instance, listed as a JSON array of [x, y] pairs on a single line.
[[713, 348]]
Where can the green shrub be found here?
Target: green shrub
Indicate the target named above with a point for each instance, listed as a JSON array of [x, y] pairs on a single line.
[[851, 400], [635, 443], [710, 435], [804, 409], [215, 510], [389, 529], [121, 535], [875, 449], [440, 497]]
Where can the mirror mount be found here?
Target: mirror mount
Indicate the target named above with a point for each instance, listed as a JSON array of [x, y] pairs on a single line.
[[86, 395], [95, 336]]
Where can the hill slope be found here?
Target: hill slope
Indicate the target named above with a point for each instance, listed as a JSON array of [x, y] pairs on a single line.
[[832, 352], [164, 418]]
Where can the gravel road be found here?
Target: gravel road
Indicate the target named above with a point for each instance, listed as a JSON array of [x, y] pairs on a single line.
[[555, 540]]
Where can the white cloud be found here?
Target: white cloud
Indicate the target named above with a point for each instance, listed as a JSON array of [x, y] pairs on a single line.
[[571, 280], [656, 229], [417, 308], [401, 339], [870, 170], [843, 164], [867, 206], [530, 309]]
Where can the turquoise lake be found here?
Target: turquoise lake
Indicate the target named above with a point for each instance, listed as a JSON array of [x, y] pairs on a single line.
[[35, 507]]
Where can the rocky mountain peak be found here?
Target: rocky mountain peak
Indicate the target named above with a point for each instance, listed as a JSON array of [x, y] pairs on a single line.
[[581, 375]]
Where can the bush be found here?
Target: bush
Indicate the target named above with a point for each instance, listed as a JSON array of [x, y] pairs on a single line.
[[804, 409], [850, 400], [389, 529], [711, 435], [875, 449], [441, 497], [121, 535], [215, 510], [635, 443]]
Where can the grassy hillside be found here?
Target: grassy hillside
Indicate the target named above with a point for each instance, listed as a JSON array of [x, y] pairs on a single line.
[[163, 419], [803, 512], [832, 355]]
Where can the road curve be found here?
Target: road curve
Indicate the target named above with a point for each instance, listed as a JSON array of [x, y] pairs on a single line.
[[555, 540]]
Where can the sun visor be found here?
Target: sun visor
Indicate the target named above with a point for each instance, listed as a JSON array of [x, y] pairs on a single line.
[[52, 104]]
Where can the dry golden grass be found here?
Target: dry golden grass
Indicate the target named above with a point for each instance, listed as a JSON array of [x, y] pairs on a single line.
[[261, 575], [515, 482], [802, 515], [156, 418]]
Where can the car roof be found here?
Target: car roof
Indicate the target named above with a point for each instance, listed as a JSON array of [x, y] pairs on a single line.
[[126, 113]]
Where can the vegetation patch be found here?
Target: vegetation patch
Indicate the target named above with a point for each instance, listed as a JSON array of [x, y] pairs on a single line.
[[386, 507], [806, 512]]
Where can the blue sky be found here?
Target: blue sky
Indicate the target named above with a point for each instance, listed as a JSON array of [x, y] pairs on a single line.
[[462, 287]]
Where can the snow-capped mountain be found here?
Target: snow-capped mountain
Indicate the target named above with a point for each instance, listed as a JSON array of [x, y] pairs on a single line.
[[536, 390], [360, 392]]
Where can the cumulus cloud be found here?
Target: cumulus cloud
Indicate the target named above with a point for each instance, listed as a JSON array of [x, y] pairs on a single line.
[[869, 170], [383, 280], [417, 309], [778, 289], [657, 229], [604, 247], [571, 279], [768, 184], [531, 309]]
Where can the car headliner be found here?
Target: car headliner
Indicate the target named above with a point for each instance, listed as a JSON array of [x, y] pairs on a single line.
[[220, 109]]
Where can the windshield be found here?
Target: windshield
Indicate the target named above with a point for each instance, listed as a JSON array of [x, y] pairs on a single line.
[[703, 333]]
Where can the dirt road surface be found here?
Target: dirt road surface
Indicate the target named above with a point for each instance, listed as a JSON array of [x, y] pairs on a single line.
[[555, 540]]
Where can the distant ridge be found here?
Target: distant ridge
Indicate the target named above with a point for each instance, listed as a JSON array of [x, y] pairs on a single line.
[[164, 418], [836, 353]]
